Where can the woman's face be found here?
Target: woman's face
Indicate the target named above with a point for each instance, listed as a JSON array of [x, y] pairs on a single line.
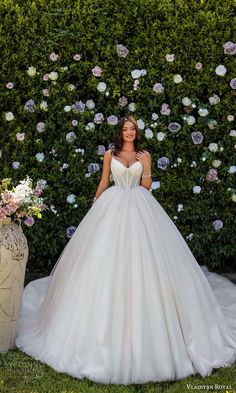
[[129, 131]]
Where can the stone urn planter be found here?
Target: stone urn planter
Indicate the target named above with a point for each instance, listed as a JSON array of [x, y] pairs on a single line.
[[13, 258]]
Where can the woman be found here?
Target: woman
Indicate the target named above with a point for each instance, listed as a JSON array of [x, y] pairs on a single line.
[[127, 301]]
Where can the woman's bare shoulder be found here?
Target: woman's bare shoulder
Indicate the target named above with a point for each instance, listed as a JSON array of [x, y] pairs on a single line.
[[108, 153]]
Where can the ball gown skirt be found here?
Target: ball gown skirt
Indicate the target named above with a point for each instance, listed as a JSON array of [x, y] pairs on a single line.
[[127, 302]]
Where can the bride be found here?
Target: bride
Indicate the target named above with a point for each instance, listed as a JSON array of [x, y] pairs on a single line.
[[127, 302]]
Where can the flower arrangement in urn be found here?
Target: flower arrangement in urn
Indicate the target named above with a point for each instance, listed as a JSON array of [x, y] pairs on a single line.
[[22, 202]]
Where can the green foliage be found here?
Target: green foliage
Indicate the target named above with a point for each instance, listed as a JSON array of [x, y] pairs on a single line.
[[194, 31]]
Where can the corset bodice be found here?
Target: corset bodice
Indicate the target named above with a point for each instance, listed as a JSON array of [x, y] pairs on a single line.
[[126, 177]]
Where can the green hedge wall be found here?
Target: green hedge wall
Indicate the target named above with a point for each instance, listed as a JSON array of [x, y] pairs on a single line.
[[49, 50]]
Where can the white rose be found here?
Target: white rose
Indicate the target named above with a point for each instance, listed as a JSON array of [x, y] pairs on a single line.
[[90, 126], [212, 124], [180, 207], [213, 147], [90, 104], [203, 112], [101, 87], [155, 185], [190, 120], [179, 159], [9, 116], [221, 70], [53, 75], [39, 156], [154, 116], [43, 105], [71, 87], [143, 72], [214, 99], [141, 124], [232, 169], [196, 189], [178, 78], [148, 133], [161, 136], [216, 163], [67, 108], [71, 198], [136, 74], [31, 71], [233, 197], [132, 107], [232, 133], [170, 57], [186, 101]]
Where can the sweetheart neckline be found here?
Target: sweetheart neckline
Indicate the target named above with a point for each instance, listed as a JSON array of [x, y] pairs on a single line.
[[126, 167]]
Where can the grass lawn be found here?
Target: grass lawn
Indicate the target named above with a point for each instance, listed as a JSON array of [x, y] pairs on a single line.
[[22, 374]]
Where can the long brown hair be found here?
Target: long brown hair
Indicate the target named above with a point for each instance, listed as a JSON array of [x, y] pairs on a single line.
[[118, 141]]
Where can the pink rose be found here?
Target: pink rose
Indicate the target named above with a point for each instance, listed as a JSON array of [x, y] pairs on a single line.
[[97, 71], [123, 101]]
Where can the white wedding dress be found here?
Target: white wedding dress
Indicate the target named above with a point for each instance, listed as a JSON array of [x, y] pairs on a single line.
[[127, 301]]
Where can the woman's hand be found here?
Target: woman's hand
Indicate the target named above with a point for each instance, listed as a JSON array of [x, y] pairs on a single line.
[[144, 158]]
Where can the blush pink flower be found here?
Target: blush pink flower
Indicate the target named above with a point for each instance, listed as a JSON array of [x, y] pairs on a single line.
[[123, 101], [77, 57], [97, 71], [20, 136]]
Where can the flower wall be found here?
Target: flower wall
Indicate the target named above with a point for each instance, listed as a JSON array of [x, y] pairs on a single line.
[[70, 69]]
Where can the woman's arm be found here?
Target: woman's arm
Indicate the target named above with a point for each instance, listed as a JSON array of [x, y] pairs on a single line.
[[105, 179], [146, 179]]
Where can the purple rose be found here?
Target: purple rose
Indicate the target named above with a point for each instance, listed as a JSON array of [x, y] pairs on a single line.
[[112, 120], [212, 175], [163, 163], [30, 106], [197, 137], [53, 56], [229, 48], [217, 224], [97, 71], [29, 221], [165, 110], [98, 118], [70, 137], [158, 88], [174, 127], [101, 150], [15, 165], [93, 167], [79, 106], [74, 123], [70, 231], [40, 126], [233, 83]]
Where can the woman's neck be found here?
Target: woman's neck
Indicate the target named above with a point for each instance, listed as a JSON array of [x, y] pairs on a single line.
[[128, 147]]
